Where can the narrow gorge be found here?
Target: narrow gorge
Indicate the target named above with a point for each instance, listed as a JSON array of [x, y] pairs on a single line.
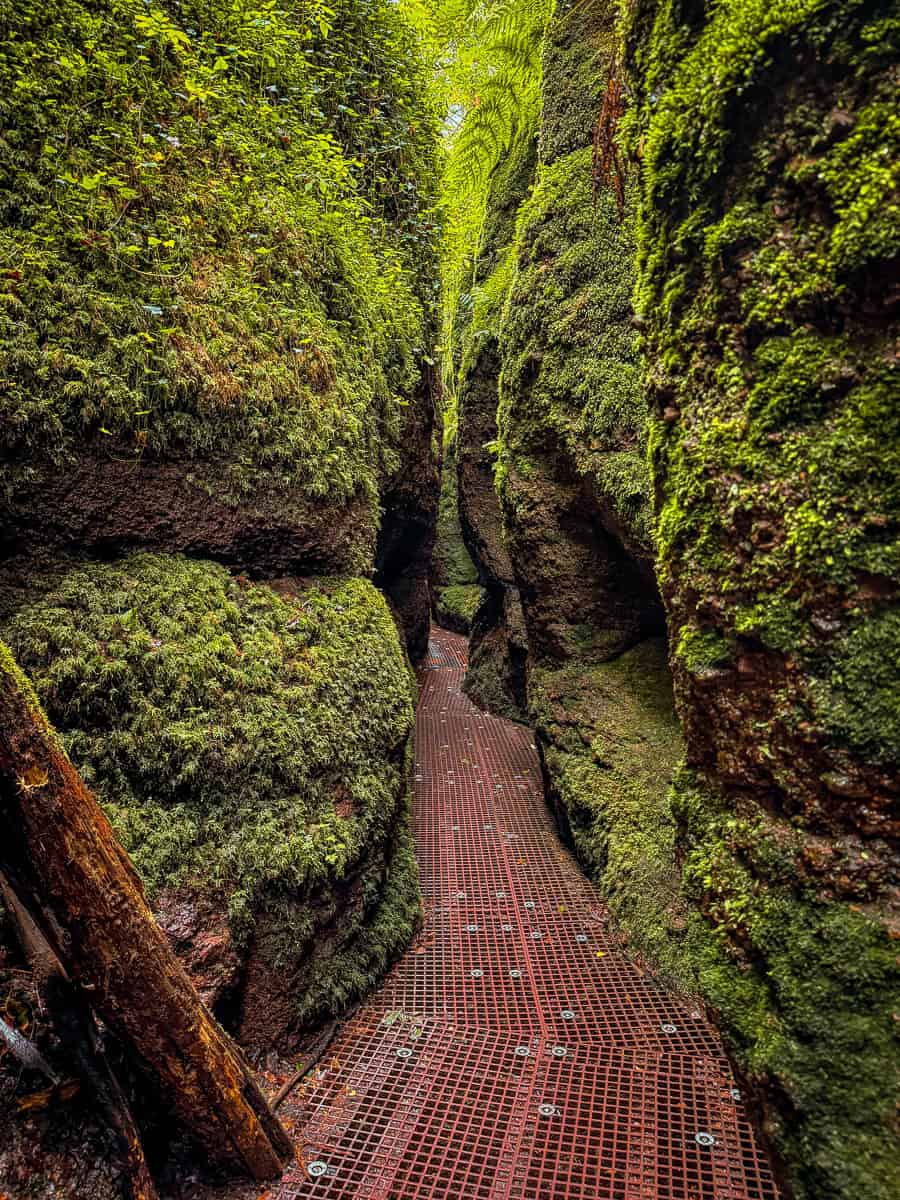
[[449, 627]]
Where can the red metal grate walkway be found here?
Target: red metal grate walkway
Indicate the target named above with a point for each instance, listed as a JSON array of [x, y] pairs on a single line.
[[514, 1053]]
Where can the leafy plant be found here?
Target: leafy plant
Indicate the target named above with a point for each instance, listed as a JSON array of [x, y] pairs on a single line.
[[216, 219]]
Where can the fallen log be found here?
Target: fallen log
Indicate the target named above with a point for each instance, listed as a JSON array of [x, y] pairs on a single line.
[[62, 858]]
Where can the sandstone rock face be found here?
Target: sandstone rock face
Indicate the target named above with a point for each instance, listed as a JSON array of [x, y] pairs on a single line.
[[104, 507], [495, 678], [455, 591], [761, 872], [199, 932], [250, 744], [406, 535], [771, 324]]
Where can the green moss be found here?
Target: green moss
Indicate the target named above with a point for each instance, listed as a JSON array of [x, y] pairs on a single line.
[[452, 563], [775, 432], [509, 185], [611, 741], [788, 432], [342, 968], [456, 606], [205, 256], [574, 67], [16, 681], [456, 592], [702, 649], [806, 991], [570, 367], [859, 701], [248, 744], [767, 231], [481, 308], [571, 371]]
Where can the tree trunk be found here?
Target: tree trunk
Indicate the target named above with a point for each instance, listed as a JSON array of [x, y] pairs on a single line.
[[62, 856], [73, 1021]]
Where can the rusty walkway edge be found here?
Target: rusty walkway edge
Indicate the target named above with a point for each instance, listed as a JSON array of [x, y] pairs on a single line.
[[514, 1052]]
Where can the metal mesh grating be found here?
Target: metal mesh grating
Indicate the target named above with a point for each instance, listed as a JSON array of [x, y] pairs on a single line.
[[514, 1053]]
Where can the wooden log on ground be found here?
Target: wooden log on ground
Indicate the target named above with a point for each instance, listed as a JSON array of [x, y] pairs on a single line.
[[60, 852]]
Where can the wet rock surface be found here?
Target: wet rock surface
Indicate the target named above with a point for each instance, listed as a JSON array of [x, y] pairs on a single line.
[[496, 677], [455, 590], [406, 536]]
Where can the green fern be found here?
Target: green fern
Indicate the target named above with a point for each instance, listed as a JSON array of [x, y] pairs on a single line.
[[503, 90]]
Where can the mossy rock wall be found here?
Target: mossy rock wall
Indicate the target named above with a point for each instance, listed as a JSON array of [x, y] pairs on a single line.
[[577, 511], [572, 472], [217, 300], [455, 590], [757, 237], [576, 497], [495, 678], [573, 475], [251, 745], [216, 306], [610, 743], [767, 266]]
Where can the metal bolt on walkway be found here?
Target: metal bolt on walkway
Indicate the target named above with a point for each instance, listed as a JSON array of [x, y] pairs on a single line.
[[515, 1053]]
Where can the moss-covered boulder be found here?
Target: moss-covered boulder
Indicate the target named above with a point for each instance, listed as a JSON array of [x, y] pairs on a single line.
[[610, 743], [767, 252], [250, 744], [573, 476], [576, 497], [495, 678], [218, 279], [455, 590]]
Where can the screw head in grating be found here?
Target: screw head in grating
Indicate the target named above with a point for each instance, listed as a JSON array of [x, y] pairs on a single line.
[[666, 1027], [529, 904], [317, 1169], [500, 895], [477, 973], [460, 895], [704, 1139], [471, 928], [558, 1051], [404, 1052], [522, 1051], [536, 934], [567, 1014], [581, 937], [506, 928], [548, 1110], [515, 973]]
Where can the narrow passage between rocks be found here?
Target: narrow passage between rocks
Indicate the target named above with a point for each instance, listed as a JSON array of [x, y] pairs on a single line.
[[514, 1052]]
